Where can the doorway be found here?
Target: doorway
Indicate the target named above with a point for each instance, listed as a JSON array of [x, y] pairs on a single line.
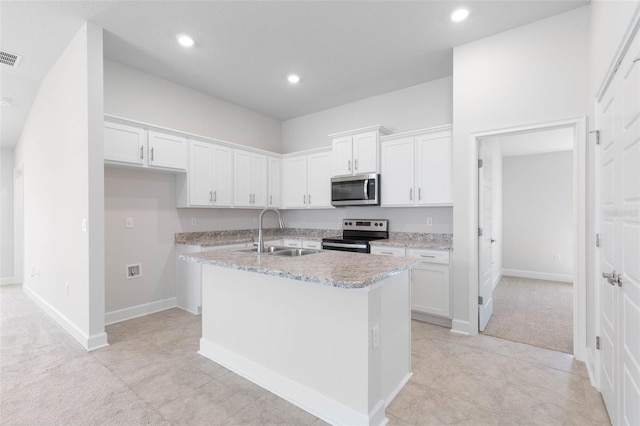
[[529, 145]]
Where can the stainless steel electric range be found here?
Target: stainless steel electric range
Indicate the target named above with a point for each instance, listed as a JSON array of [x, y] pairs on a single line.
[[356, 234]]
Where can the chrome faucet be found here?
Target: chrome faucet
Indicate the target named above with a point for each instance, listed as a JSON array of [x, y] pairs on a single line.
[[260, 236]]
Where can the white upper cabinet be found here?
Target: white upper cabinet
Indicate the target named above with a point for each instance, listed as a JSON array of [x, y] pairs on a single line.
[[124, 144], [249, 179], [166, 150], [135, 146], [306, 181], [356, 151], [274, 189], [210, 176], [416, 168]]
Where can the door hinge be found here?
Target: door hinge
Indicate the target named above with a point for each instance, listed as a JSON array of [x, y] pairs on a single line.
[[480, 232], [480, 163], [598, 342], [597, 240], [480, 301], [597, 132]]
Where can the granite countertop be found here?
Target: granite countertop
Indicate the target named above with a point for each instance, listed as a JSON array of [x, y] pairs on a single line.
[[333, 268], [417, 240], [222, 238]]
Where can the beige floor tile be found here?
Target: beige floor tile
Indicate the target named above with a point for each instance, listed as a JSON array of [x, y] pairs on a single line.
[[243, 386], [475, 386], [255, 414], [288, 412]]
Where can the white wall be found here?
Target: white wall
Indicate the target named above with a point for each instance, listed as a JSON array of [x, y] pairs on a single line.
[[149, 199], [538, 216], [133, 94], [417, 107], [6, 217], [60, 149], [531, 74]]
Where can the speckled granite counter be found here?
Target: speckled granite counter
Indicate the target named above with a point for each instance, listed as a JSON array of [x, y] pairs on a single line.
[[222, 238], [332, 268], [417, 240]]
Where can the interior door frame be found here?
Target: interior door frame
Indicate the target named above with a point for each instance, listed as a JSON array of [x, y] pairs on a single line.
[[579, 126]]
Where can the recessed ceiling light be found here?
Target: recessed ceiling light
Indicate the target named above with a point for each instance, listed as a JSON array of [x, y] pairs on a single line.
[[293, 78], [459, 15], [185, 40], [6, 101]]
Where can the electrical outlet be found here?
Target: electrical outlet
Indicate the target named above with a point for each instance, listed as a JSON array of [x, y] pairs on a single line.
[[194, 221], [84, 225], [429, 221], [133, 271], [556, 257], [129, 222]]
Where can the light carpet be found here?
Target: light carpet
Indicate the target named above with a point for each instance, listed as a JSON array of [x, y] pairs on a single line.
[[535, 312]]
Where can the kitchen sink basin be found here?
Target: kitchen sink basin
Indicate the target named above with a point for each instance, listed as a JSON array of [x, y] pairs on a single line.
[[267, 250], [294, 252]]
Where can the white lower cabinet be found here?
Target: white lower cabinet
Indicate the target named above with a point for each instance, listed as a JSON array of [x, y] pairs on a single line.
[[189, 277], [430, 280]]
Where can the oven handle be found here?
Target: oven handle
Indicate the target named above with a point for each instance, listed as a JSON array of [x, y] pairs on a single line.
[[341, 245]]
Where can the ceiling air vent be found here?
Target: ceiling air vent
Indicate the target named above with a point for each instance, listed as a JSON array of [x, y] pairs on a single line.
[[9, 58]]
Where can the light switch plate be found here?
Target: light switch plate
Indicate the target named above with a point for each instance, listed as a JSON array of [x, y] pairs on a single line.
[[129, 222], [429, 221]]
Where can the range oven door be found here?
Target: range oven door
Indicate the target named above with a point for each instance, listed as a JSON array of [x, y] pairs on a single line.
[[341, 246], [359, 190]]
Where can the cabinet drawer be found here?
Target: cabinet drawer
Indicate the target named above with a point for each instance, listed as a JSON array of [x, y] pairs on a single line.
[[292, 243], [388, 251], [428, 255], [317, 245]]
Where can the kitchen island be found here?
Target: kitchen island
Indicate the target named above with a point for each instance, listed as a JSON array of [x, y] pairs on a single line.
[[329, 332]]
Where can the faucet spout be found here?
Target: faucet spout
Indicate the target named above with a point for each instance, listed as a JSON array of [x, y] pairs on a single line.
[[260, 234]]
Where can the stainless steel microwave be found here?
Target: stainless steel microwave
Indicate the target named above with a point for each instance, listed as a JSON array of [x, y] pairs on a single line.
[[358, 190]]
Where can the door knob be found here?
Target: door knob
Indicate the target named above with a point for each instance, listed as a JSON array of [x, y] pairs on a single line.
[[613, 278]]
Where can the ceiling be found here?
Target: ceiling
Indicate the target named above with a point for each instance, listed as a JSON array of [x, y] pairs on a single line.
[[343, 50]]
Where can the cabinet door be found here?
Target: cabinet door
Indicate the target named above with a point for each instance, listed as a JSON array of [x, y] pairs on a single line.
[[396, 173], [167, 151], [222, 176], [242, 195], [319, 180], [274, 189], [388, 251], [434, 177], [342, 156], [430, 289], [365, 153], [200, 173], [124, 144], [258, 180], [294, 182]]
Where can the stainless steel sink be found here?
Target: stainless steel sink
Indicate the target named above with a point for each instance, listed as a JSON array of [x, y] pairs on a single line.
[[267, 250], [294, 252]]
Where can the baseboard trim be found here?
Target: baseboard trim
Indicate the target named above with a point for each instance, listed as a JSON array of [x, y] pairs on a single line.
[[398, 388], [546, 276], [7, 280], [86, 341], [139, 310], [460, 327], [308, 399]]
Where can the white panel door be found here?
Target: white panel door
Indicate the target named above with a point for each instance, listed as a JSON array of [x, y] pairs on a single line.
[[342, 156], [168, 151], [485, 264], [200, 173], [222, 195], [274, 188], [619, 195], [396, 173], [434, 176], [294, 182], [319, 180], [258, 180], [365, 153], [242, 194], [124, 144]]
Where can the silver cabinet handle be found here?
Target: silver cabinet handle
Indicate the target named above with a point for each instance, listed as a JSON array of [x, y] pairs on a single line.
[[210, 196], [215, 196], [410, 194], [309, 199], [386, 252], [419, 193], [304, 199], [151, 154], [142, 153], [270, 200], [349, 165], [355, 164], [426, 255], [249, 198]]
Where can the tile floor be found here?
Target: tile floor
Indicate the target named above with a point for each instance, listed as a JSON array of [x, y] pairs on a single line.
[[151, 374]]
